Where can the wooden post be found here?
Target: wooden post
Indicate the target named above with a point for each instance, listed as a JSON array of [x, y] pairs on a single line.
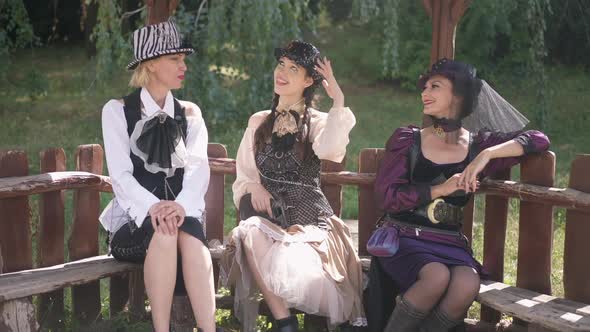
[[137, 295], [496, 215], [118, 294], [51, 237], [577, 245], [445, 15], [369, 160], [468, 213], [15, 244], [182, 318], [333, 192], [15, 221], [535, 234], [160, 10], [214, 201], [83, 240], [535, 237]]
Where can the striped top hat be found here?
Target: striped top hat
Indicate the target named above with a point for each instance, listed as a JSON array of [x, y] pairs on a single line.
[[156, 40]]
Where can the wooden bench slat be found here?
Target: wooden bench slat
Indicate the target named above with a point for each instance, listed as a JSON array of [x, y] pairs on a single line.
[[556, 314], [42, 280], [38, 281]]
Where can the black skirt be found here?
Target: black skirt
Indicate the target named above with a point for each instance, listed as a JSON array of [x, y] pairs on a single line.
[[130, 244]]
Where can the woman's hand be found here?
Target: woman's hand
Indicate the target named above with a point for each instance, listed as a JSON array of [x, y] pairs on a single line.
[[324, 67], [446, 188], [167, 216], [261, 199], [468, 180]]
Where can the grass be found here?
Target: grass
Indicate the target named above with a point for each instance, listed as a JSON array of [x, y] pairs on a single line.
[[67, 114]]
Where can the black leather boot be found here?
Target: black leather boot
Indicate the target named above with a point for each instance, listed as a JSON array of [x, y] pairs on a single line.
[[288, 324], [439, 321], [405, 317]]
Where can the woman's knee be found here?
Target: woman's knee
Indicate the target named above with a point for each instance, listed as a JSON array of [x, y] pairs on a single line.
[[164, 241], [436, 275], [468, 280]]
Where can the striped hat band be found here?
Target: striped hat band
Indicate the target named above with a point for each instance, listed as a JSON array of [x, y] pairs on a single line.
[[156, 40]]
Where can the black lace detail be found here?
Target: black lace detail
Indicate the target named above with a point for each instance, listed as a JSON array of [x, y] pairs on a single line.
[[296, 183]]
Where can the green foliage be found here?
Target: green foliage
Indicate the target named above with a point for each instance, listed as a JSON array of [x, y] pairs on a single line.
[[535, 14], [499, 34], [568, 32], [113, 48], [234, 42], [499, 37], [15, 32], [404, 37]]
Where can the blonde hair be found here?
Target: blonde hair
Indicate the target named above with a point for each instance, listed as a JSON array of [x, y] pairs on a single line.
[[141, 76]]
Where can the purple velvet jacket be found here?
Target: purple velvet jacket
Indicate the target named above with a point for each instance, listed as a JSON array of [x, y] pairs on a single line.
[[393, 190]]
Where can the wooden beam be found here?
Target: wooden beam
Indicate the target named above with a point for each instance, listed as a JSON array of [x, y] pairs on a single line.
[[51, 181], [42, 280], [35, 184], [159, 10], [445, 15]]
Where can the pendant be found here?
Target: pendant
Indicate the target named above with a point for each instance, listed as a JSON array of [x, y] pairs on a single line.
[[439, 131]]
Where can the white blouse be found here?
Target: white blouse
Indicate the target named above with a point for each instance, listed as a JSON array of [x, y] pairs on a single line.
[[328, 135], [131, 199]]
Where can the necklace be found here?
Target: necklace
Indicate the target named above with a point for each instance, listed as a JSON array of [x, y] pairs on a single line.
[[439, 131]]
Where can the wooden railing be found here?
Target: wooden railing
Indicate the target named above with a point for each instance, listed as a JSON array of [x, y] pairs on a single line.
[[535, 191]]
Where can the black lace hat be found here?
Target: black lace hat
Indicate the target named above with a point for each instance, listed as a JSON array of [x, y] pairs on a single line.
[[464, 78], [304, 54]]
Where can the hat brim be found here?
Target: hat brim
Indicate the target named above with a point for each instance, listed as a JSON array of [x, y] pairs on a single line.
[[309, 66], [186, 50]]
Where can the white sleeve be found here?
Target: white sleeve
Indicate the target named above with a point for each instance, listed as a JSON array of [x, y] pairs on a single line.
[[196, 172], [329, 133], [131, 196], [246, 170]]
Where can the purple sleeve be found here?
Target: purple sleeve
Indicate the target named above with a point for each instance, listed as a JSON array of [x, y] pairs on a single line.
[[532, 141], [393, 191]]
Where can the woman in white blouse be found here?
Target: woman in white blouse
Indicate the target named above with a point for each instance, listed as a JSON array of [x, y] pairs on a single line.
[[156, 151], [289, 244]]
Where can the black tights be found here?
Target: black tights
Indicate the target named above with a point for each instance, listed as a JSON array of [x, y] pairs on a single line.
[[451, 289]]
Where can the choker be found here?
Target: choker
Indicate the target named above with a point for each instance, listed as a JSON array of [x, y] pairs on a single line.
[[444, 125]]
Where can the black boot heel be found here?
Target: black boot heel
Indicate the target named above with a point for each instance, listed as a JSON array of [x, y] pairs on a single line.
[[288, 324]]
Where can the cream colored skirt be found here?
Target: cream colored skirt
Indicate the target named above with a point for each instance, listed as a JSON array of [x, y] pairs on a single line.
[[313, 270]]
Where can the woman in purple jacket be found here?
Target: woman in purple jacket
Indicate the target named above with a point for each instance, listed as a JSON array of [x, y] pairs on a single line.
[[426, 177]]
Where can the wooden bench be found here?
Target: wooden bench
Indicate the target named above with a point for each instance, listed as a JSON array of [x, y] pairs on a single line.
[[126, 287]]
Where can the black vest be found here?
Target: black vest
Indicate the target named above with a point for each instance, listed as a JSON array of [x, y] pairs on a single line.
[[154, 183]]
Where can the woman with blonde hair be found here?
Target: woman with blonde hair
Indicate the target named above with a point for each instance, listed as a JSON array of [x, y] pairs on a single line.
[[156, 151]]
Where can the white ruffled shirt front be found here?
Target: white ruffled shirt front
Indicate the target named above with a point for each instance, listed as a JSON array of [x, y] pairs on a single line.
[[131, 199], [328, 135]]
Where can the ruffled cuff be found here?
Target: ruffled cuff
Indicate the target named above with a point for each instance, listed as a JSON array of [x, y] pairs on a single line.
[[139, 211], [533, 141]]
